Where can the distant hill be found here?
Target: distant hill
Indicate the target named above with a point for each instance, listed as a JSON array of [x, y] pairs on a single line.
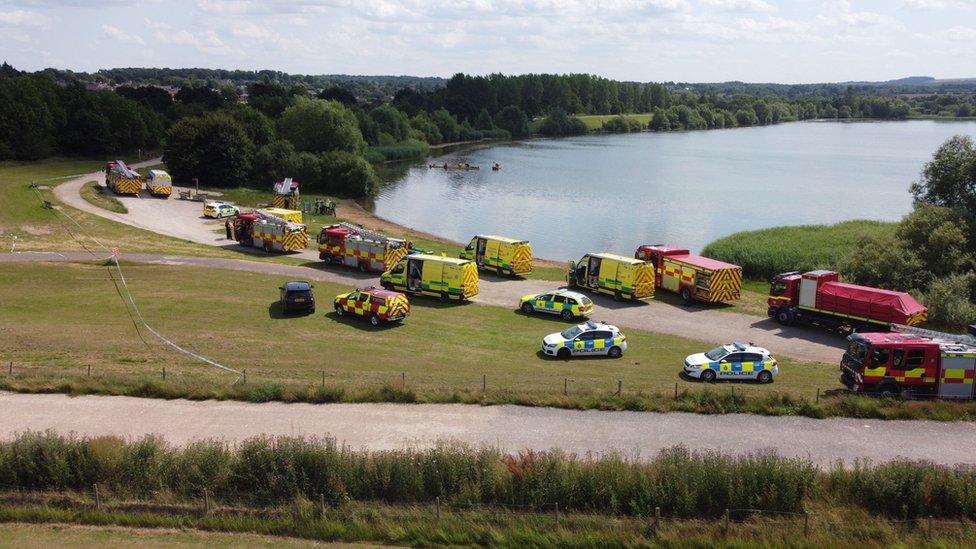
[[383, 87]]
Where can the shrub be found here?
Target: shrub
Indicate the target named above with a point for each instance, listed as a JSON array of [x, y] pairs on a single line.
[[622, 124], [404, 150], [558, 123], [949, 300]]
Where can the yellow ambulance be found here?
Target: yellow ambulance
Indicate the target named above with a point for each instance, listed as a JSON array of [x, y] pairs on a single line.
[[612, 274], [505, 255], [432, 275]]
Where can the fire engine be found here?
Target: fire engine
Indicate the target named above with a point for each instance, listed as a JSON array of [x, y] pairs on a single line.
[[352, 246], [262, 229], [284, 194], [122, 179], [910, 361], [819, 297], [691, 276]]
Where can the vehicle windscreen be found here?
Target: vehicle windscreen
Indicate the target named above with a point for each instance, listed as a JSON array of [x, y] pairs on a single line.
[[570, 333], [585, 300], [856, 352], [716, 353], [297, 287]]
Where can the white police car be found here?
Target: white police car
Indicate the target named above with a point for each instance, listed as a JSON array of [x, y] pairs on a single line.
[[733, 361], [589, 338]]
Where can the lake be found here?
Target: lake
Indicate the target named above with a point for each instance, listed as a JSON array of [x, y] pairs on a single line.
[[595, 193]]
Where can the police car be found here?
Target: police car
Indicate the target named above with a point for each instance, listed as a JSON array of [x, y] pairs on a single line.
[[217, 210], [589, 338], [733, 361], [565, 303]]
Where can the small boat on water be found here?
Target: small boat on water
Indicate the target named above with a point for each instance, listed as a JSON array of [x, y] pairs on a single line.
[[459, 166], [496, 166]]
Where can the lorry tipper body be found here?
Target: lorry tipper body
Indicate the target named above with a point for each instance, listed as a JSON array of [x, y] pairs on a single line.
[[910, 361], [693, 277], [818, 297], [433, 275], [612, 274], [507, 256], [122, 179], [352, 246], [261, 229]]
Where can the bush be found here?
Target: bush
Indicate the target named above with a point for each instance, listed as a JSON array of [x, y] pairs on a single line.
[[213, 148], [949, 300], [315, 125], [336, 173], [560, 124], [622, 124]]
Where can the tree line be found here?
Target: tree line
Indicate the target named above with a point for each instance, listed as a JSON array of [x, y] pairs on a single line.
[[226, 134]]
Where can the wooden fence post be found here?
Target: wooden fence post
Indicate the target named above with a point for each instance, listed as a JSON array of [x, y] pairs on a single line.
[[818, 395], [89, 370], [806, 524], [206, 501], [930, 526], [657, 518], [565, 386], [403, 381], [98, 500], [557, 514], [10, 368], [164, 373], [484, 382], [437, 507], [321, 505], [245, 376], [323, 378], [676, 391], [726, 520], [620, 387]]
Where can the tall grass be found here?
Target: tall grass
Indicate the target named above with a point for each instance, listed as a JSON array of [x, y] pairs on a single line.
[[404, 150], [767, 252], [272, 471]]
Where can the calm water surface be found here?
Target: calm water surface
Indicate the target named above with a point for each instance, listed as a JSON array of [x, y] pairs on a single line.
[[612, 192]]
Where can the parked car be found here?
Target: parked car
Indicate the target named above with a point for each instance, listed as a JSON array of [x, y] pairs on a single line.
[[589, 338], [565, 303], [297, 296], [733, 361], [217, 210], [373, 304]]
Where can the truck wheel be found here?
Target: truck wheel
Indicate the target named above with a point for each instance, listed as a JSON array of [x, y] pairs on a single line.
[[500, 272], [527, 308], [267, 247], [686, 295], [327, 258], [567, 314], [764, 377], [708, 376], [445, 297], [784, 317], [339, 310], [564, 353], [374, 320], [617, 296], [888, 389], [615, 352], [363, 267]]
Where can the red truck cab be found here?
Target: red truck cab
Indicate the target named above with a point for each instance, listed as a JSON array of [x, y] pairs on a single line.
[[912, 362]]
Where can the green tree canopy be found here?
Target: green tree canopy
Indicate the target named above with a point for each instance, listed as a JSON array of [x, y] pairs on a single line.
[[316, 125], [949, 180], [213, 148], [938, 237], [513, 120]]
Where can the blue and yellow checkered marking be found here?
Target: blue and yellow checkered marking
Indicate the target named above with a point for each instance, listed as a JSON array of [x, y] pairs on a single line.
[[740, 367], [592, 343]]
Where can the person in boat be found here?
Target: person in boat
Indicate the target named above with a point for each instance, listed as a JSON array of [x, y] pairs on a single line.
[[496, 166]]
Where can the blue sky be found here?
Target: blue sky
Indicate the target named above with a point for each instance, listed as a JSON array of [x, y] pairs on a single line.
[[646, 40]]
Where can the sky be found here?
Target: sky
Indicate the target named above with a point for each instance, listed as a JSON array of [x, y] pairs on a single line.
[[794, 41]]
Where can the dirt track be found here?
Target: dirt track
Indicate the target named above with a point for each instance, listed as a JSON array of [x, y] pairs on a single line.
[[510, 428], [183, 219]]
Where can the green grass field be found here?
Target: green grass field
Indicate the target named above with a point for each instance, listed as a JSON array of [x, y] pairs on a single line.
[[77, 320], [97, 195], [439, 354], [766, 252], [595, 121]]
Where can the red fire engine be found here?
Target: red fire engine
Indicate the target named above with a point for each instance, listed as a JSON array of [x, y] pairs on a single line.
[[691, 276], [819, 297], [910, 362], [352, 246]]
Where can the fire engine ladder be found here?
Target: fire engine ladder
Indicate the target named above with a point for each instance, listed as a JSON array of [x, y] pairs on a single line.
[[935, 335], [128, 172], [372, 235]]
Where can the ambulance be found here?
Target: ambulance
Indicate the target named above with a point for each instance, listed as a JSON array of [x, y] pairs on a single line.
[[159, 183], [506, 256], [612, 274], [432, 275]]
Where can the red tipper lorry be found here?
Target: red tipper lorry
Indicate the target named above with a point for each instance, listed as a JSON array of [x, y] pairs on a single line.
[[819, 297], [691, 276]]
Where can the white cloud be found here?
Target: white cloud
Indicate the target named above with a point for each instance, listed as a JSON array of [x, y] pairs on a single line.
[[757, 6], [206, 42], [937, 4], [961, 33], [118, 34], [23, 18]]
